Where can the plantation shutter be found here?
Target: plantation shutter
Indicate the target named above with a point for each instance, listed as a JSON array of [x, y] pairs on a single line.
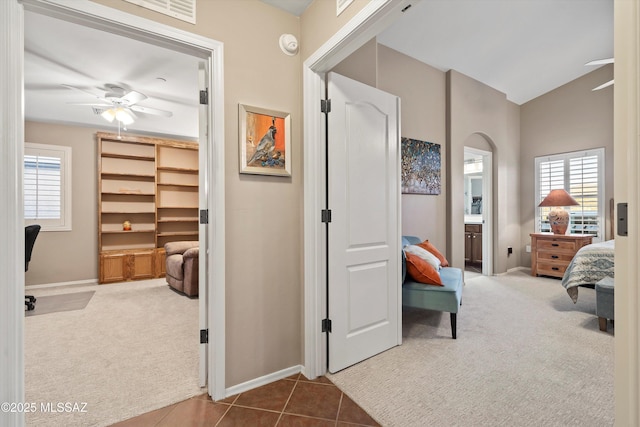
[[551, 174], [583, 186], [42, 187], [46, 186], [582, 175]]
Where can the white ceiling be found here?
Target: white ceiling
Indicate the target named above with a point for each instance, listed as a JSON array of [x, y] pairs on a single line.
[[523, 48], [59, 52]]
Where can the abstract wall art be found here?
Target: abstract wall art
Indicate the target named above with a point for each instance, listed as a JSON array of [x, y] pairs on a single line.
[[420, 167]]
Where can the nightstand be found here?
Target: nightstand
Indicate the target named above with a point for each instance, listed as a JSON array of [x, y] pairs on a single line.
[[552, 253]]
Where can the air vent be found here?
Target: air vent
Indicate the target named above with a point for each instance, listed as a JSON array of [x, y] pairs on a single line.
[[184, 10], [97, 110]]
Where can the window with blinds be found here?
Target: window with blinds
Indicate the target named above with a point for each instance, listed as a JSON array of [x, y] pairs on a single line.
[[581, 174], [47, 186]]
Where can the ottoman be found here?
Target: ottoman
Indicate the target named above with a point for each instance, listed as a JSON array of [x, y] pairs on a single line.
[[604, 302]]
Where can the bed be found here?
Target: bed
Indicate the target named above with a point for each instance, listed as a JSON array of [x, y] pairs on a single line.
[[590, 264]]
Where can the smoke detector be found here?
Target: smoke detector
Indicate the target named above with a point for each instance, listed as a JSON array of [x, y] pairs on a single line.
[[289, 44]]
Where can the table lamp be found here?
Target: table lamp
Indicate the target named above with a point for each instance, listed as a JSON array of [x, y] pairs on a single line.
[[558, 217]]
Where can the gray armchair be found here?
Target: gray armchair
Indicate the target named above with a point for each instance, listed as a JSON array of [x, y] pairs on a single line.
[[182, 266]]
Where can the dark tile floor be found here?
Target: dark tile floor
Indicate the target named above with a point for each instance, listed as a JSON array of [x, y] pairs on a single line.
[[294, 401]]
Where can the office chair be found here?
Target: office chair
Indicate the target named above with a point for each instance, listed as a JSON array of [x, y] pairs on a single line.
[[30, 234]]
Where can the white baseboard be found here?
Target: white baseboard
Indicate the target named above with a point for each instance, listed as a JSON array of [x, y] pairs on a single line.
[[257, 382], [59, 284]]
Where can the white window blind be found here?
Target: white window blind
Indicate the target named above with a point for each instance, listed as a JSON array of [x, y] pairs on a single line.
[[582, 175], [184, 10], [46, 186]]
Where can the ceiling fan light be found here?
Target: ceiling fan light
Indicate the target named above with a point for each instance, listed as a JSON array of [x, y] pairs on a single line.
[[123, 116], [108, 115]]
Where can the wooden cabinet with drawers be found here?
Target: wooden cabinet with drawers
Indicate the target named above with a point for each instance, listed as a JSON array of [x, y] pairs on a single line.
[[552, 253]]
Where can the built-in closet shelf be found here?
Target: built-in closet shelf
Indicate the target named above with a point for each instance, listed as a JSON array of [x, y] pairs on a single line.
[[128, 193], [165, 184], [178, 233], [173, 169], [151, 183], [131, 212], [127, 232], [132, 175], [129, 156]]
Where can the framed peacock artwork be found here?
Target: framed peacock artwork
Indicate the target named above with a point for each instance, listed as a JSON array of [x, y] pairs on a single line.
[[265, 141]]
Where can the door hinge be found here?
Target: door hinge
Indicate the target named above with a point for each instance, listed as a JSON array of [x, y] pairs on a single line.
[[326, 215], [204, 97], [204, 216], [204, 336], [325, 105], [326, 325]]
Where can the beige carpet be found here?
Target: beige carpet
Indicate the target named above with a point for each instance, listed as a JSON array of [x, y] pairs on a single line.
[[134, 348], [525, 356]]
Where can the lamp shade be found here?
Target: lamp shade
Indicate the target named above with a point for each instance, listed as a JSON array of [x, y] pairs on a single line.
[[108, 115], [558, 198], [558, 217]]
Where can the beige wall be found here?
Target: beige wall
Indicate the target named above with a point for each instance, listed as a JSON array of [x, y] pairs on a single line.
[[263, 214], [361, 65], [320, 23], [66, 256], [476, 109], [569, 118], [421, 89]]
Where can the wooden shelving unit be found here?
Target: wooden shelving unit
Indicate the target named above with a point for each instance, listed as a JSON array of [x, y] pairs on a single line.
[[153, 184]]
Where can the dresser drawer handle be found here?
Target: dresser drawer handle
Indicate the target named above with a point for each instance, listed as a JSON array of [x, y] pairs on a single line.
[[555, 256], [555, 268], [555, 244]]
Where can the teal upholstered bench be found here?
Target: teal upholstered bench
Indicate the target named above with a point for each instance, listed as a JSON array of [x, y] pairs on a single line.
[[604, 302], [432, 297]]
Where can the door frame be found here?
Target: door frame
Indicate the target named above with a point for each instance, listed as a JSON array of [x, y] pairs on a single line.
[[365, 25], [487, 208], [12, 152]]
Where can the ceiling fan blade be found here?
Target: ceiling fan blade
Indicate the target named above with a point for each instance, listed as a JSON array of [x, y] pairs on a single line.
[[602, 86], [87, 92], [91, 104], [133, 97], [600, 61], [153, 111], [131, 113]]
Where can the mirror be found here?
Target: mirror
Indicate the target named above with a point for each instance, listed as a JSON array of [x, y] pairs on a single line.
[[472, 188], [473, 194]]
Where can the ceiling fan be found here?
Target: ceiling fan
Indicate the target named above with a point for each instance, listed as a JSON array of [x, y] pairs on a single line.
[[119, 104], [601, 62]]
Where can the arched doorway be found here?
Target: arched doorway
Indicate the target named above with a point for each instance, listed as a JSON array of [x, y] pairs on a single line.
[[478, 204]]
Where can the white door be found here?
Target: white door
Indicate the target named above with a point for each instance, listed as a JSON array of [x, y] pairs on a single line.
[[364, 232], [203, 148]]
